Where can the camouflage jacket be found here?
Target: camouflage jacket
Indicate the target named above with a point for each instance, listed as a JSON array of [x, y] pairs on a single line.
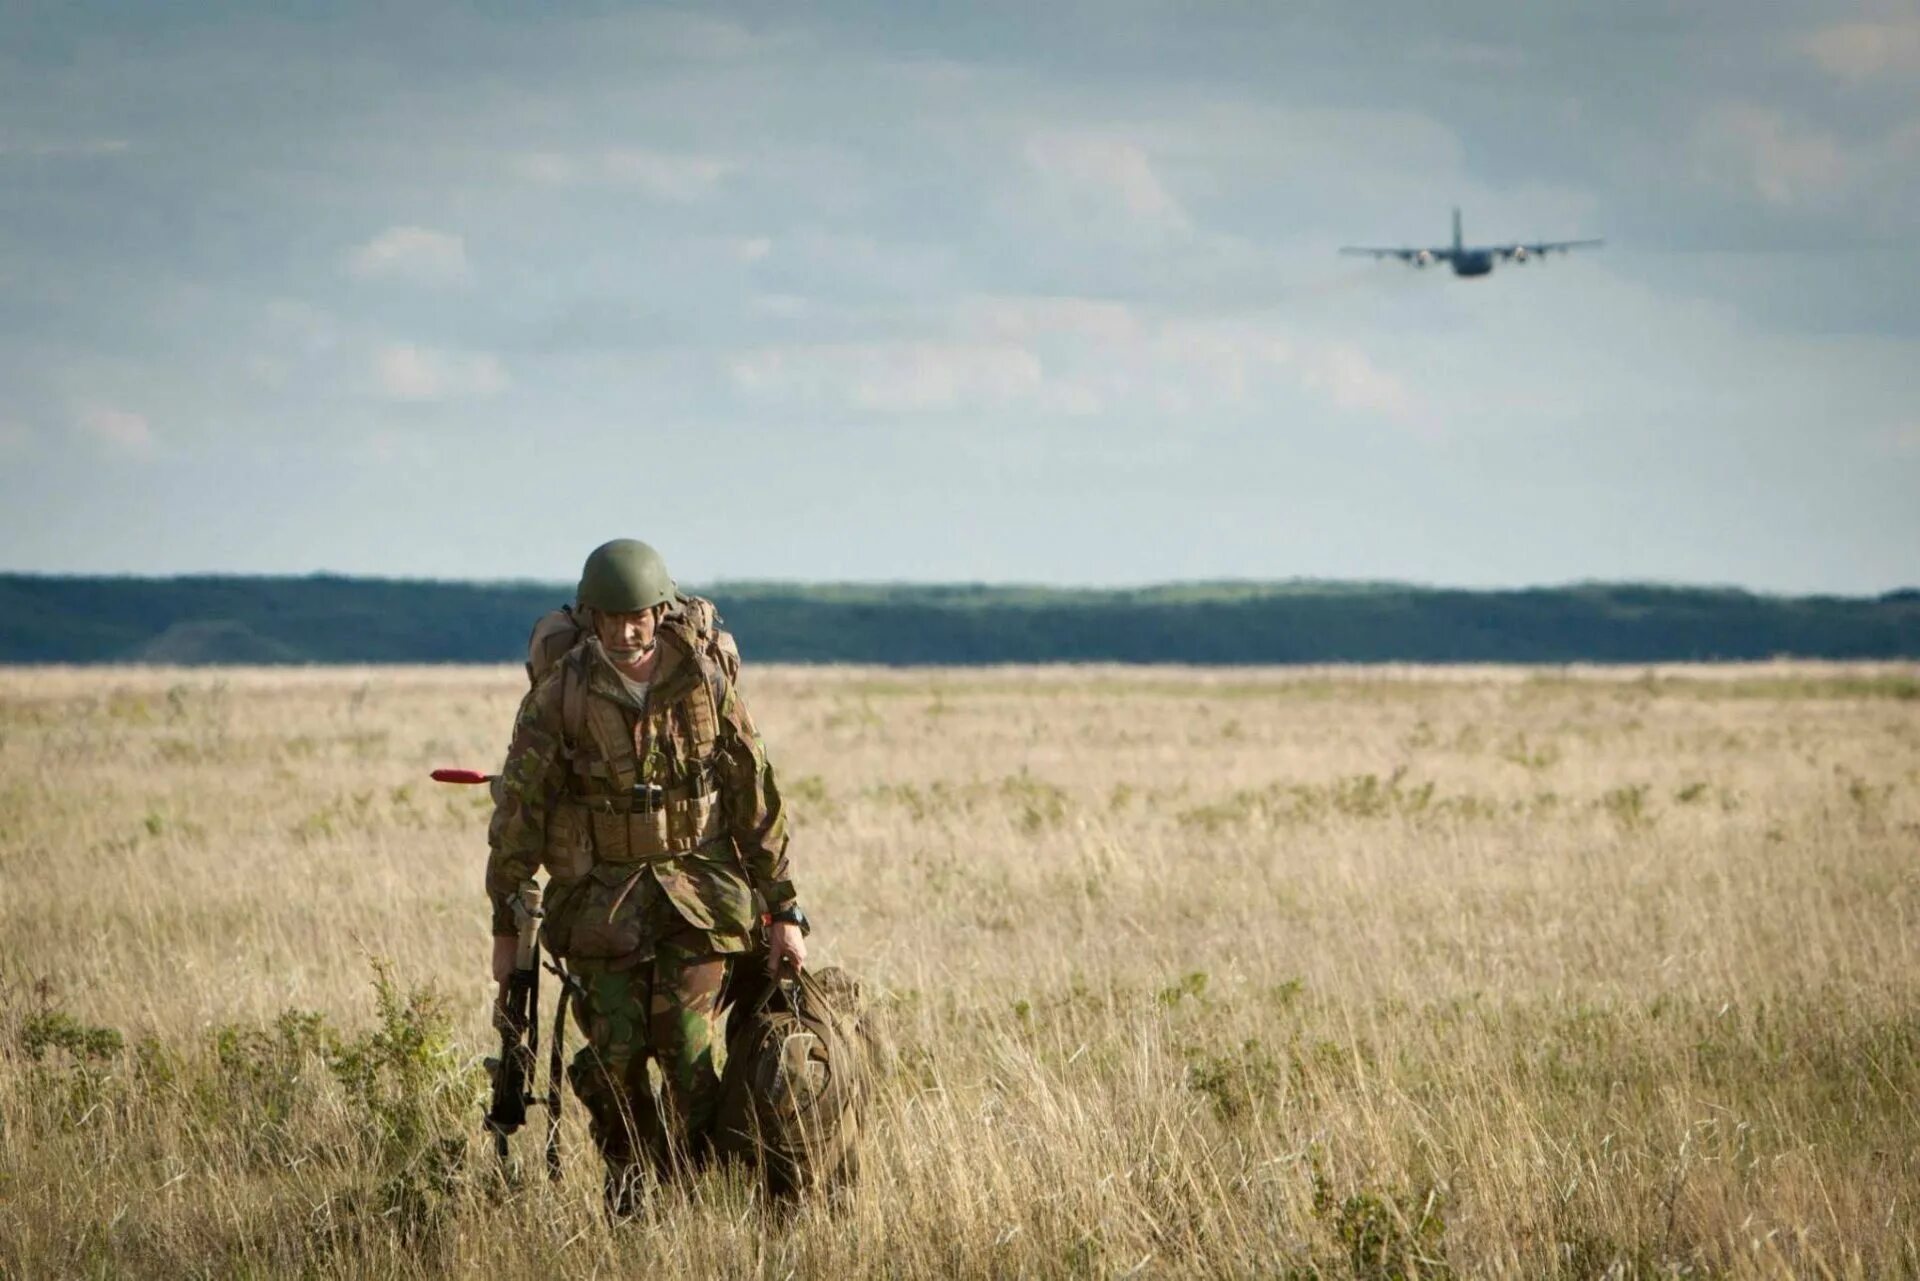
[[713, 834]]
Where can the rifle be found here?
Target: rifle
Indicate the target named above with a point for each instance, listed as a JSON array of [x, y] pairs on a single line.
[[516, 1015]]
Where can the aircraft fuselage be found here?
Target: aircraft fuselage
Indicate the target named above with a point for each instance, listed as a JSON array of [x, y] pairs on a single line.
[[1472, 264]]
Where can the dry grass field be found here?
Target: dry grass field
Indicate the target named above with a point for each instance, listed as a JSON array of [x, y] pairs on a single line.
[[1319, 973]]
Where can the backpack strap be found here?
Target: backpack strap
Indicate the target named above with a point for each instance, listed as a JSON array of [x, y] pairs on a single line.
[[573, 706]]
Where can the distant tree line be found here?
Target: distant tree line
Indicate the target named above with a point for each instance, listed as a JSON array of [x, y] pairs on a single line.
[[329, 619]]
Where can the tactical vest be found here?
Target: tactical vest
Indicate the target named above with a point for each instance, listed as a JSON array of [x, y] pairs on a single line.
[[639, 787]]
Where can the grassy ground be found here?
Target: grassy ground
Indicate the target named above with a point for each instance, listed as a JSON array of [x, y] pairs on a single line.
[[1374, 973]]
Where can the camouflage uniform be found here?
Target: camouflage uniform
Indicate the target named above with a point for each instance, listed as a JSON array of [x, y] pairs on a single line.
[[657, 825]]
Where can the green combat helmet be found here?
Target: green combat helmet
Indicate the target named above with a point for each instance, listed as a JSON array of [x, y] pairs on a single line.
[[625, 576]]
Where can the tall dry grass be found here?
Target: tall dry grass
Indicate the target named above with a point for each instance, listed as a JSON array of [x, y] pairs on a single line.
[[1375, 973]]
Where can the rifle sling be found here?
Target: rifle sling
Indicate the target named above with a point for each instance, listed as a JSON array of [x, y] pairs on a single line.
[[553, 1073]]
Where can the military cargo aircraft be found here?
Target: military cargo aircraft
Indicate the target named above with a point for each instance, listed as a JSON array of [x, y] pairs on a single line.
[[1473, 260]]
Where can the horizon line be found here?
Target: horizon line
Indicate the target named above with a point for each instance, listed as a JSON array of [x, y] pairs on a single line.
[[1011, 585]]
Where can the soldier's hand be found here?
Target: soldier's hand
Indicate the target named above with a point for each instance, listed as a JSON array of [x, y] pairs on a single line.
[[506, 950], [786, 948]]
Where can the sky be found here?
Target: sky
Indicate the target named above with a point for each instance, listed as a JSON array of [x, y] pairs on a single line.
[[1004, 293]]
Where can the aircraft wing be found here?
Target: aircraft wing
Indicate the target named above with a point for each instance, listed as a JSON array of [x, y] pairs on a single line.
[[1542, 248], [1404, 255]]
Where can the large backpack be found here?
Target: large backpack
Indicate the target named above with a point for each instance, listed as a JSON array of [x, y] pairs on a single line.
[[556, 633], [803, 1056]]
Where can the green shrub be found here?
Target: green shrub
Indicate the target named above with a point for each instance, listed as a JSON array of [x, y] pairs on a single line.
[[1386, 1236], [50, 1029]]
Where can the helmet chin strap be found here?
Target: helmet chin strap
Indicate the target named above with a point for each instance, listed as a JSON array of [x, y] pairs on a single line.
[[628, 655]]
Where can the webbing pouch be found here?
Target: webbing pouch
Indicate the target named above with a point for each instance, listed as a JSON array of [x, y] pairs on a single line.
[[569, 849], [629, 836], [694, 821]]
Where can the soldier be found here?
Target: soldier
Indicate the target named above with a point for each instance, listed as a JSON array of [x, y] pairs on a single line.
[[637, 779]]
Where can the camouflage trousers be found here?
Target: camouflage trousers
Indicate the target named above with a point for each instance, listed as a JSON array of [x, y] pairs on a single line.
[[663, 1010]]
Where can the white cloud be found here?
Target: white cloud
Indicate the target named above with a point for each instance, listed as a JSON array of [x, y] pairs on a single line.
[[418, 255], [681, 179], [1192, 364], [752, 249], [118, 431], [926, 376], [670, 177], [1347, 377], [1860, 51], [1209, 365], [1021, 318], [408, 372], [1078, 357], [1104, 176], [1904, 440], [1759, 148]]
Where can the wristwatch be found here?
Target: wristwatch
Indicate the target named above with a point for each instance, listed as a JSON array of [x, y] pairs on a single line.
[[790, 915]]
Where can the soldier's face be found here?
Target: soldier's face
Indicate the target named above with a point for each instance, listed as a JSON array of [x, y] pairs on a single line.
[[627, 637]]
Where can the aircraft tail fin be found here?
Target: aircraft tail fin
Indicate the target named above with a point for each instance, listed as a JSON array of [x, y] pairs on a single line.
[[1456, 227]]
